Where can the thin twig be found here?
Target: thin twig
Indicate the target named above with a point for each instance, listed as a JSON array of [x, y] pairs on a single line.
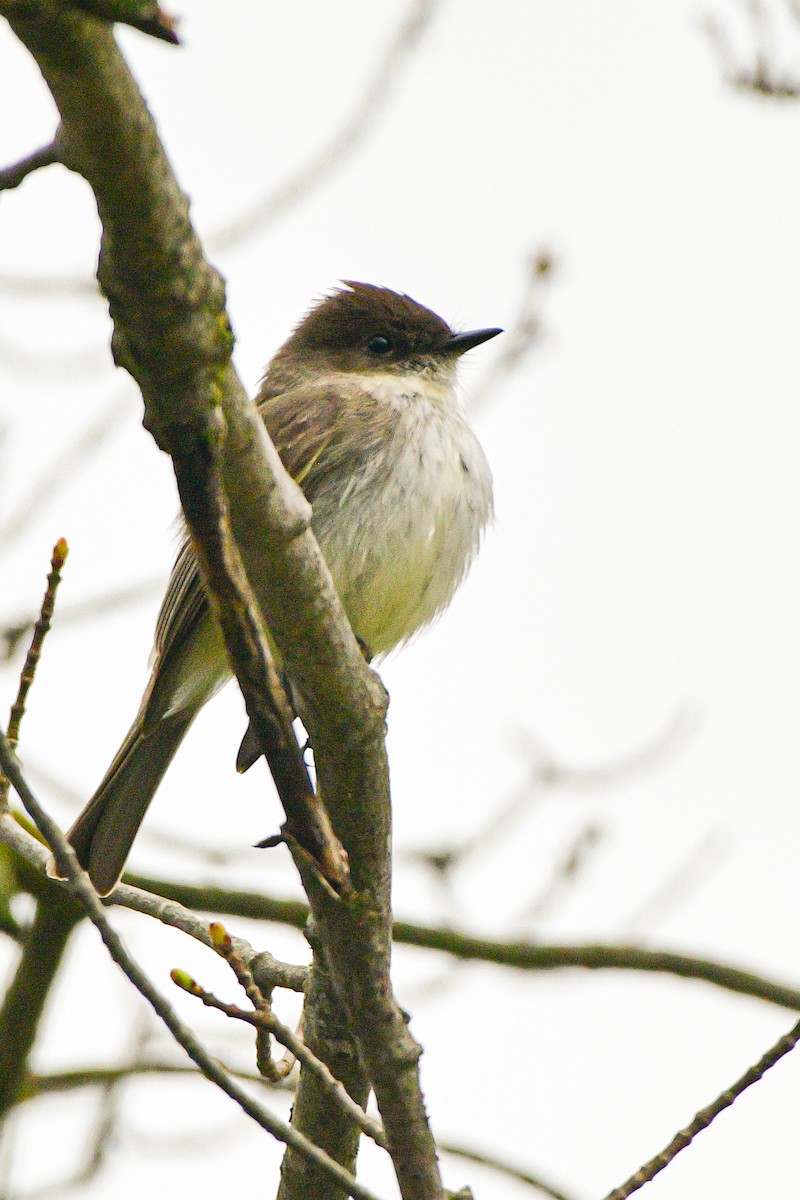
[[692, 872], [72, 458], [706, 1115], [762, 75], [268, 971], [546, 773], [145, 15], [93, 1077], [75, 614], [14, 175], [79, 886], [265, 1016], [525, 332], [40, 631], [503, 1168], [565, 873], [293, 190]]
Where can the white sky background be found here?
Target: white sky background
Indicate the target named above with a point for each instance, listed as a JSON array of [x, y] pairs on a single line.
[[644, 562]]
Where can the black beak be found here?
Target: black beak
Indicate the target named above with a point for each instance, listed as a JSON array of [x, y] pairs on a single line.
[[459, 343]]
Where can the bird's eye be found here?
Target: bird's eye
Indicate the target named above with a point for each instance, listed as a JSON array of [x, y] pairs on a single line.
[[379, 345]]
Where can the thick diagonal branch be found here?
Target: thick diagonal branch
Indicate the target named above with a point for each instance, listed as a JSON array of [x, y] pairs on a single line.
[[171, 333]]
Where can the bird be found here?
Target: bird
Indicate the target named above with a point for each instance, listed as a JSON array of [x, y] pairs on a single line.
[[362, 406]]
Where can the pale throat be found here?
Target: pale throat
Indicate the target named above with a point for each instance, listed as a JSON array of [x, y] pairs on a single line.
[[438, 389]]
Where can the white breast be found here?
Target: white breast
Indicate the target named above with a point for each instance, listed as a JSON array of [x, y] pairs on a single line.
[[409, 522]]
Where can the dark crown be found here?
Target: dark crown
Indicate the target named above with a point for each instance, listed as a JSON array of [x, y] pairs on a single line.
[[356, 314]]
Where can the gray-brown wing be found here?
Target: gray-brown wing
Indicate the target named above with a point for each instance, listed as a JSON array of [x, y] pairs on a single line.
[[300, 423], [183, 610], [184, 603]]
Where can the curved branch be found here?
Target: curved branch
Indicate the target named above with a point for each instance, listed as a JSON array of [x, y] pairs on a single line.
[[268, 971], [524, 956], [70, 1081], [14, 175], [502, 1167]]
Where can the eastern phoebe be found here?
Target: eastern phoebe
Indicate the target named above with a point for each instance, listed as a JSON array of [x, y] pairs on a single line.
[[361, 405]]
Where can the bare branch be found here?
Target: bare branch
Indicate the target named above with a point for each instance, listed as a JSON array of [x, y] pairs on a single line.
[[79, 887], [94, 1077], [25, 998], [522, 955], [62, 469], [762, 75], [525, 332], [265, 1017], [268, 971], [565, 873], [547, 772], [145, 15], [13, 176], [692, 873], [530, 956], [706, 1115], [77, 613], [56, 915], [503, 1168], [40, 631], [293, 190]]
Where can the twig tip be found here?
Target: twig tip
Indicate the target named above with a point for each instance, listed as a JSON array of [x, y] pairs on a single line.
[[220, 938]]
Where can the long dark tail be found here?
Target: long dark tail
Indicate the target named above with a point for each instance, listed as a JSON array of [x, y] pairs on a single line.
[[103, 834]]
